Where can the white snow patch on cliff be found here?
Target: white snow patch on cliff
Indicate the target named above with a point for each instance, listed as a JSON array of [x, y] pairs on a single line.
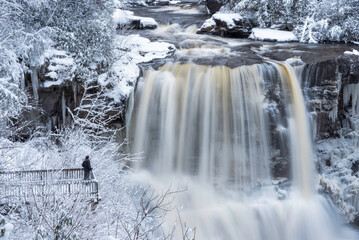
[[61, 67], [266, 34], [130, 51]]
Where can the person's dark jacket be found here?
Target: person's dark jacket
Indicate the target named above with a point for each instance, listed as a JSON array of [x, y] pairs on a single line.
[[86, 165]]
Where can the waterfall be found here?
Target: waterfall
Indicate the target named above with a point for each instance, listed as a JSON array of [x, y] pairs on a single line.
[[206, 128], [299, 132], [204, 121]]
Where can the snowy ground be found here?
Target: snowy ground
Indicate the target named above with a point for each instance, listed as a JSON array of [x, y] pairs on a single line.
[[266, 34]]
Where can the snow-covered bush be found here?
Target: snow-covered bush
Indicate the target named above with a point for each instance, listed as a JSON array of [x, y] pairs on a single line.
[[312, 31], [266, 12]]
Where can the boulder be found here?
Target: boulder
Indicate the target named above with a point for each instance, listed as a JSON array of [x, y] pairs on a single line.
[[127, 20], [227, 25]]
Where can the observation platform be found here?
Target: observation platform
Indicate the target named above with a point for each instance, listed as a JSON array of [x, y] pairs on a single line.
[[28, 185]]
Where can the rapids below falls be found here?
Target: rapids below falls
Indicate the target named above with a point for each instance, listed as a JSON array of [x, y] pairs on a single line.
[[205, 128]]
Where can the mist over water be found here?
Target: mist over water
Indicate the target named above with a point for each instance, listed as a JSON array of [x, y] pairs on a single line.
[[206, 128]]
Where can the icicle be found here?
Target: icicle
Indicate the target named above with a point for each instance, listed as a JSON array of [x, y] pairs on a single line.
[[333, 113], [48, 125], [74, 89], [351, 91], [22, 82], [35, 83], [63, 107]]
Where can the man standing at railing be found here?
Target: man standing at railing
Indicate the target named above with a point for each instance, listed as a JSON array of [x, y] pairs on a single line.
[[87, 168]]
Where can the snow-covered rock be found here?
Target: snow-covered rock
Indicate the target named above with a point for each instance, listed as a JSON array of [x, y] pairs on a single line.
[[124, 18], [354, 52], [227, 24], [141, 49], [61, 68], [266, 34], [131, 50]]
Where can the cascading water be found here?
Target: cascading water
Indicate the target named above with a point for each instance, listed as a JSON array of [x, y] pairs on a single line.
[[206, 127], [206, 122], [300, 141]]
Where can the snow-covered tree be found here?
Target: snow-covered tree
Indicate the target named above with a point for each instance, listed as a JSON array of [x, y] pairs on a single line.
[[313, 20]]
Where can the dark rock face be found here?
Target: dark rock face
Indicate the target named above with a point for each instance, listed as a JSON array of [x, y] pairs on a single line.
[[213, 6], [324, 85]]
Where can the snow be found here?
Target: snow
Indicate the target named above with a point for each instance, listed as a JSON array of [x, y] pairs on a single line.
[[228, 18], [8, 229], [339, 160], [176, 9], [117, 4], [338, 179], [130, 51], [147, 22], [141, 49], [354, 52], [209, 23], [61, 67], [64, 61], [125, 17], [48, 84], [54, 52], [122, 16], [267, 34]]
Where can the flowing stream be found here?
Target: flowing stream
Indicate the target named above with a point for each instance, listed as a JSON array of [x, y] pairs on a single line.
[[206, 128]]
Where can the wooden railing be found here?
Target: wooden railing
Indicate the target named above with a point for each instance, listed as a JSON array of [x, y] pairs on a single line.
[[42, 175], [33, 183]]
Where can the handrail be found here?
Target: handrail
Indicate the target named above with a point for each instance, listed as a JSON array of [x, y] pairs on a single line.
[[41, 175], [64, 181], [59, 182], [43, 170]]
